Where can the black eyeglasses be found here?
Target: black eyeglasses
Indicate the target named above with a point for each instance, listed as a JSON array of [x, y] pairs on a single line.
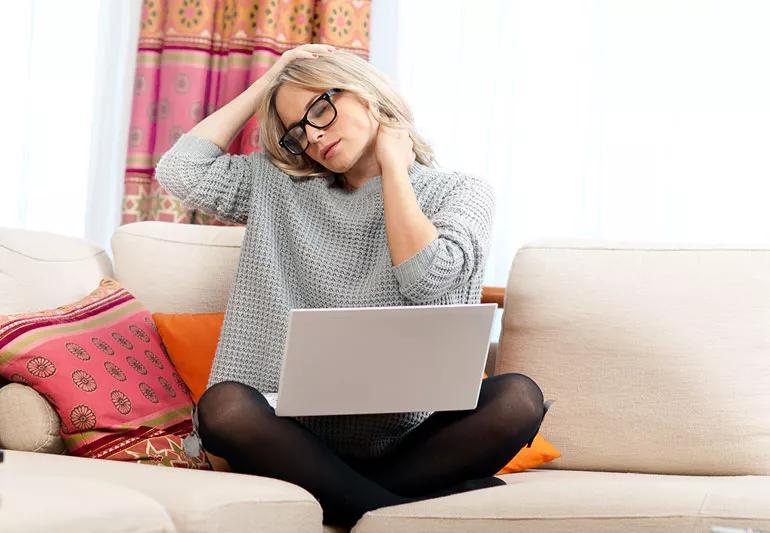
[[320, 114]]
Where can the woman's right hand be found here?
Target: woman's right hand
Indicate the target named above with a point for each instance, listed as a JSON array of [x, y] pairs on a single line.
[[304, 50], [222, 125]]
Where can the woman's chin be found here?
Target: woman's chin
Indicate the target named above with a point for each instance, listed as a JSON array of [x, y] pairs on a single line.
[[334, 166]]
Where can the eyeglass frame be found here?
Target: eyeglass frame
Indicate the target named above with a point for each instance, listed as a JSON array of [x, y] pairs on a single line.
[[305, 121]]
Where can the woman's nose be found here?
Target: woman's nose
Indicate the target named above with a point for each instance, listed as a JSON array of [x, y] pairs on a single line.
[[312, 133]]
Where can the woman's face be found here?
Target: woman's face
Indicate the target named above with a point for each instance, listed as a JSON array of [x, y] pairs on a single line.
[[354, 129]]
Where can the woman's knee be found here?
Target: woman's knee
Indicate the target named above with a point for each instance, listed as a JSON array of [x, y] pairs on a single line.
[[520, 404], [223, 408]]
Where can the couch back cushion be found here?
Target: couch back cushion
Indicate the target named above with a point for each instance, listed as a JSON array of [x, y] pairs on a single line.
[[657, 355], [40, 270], [177, 268]]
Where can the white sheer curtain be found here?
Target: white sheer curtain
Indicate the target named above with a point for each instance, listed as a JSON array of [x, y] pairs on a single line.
[[625, 120], [66, 90]]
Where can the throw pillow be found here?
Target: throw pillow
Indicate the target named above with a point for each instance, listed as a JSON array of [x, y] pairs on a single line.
[[191, 340], [100, 363], [540, 453]]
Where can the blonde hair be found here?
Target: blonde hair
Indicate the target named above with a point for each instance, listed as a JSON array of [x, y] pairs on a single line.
[[340, 70]]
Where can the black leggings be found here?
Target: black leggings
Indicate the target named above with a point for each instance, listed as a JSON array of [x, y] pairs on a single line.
[[446, 449]]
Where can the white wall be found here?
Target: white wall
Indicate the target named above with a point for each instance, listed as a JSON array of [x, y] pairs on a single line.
[[605, 119]]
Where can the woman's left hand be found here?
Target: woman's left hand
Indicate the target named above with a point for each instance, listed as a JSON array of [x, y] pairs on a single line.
[[394, 148]]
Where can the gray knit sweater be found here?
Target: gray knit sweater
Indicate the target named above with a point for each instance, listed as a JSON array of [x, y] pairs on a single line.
[[308, 245]]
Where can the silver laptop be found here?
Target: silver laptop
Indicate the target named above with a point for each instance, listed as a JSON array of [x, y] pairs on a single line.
[[359, 360]]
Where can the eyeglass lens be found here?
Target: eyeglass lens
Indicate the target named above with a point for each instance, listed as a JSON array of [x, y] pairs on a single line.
[[320, 115]]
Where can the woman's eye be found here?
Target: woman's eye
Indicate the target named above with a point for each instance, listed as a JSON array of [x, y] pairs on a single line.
[[319, 109]]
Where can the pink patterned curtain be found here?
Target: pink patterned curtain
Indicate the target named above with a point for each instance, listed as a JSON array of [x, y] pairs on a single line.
[[195, 56]]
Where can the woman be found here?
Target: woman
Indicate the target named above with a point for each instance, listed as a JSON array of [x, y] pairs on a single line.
[[342, 209]]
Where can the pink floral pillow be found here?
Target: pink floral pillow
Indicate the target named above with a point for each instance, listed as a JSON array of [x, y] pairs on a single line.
[[102, 365]]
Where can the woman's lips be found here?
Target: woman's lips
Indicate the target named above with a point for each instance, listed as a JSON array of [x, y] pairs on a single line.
[[331, 150]]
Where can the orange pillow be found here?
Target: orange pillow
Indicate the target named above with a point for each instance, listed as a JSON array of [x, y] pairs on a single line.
[[191, 342], [540, 453]]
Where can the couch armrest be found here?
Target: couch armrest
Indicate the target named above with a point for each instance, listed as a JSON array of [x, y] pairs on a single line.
[[493, 295], [28, 422]]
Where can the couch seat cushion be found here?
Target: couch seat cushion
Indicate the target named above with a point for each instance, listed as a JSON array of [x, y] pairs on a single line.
[[34, 503], [196, 500], [565, 501]]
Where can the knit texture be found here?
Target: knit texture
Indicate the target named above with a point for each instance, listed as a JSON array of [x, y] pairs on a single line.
[[307, 245]]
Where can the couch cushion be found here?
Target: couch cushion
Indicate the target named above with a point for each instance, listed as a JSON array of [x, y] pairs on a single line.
[[655, 354], [28, 421], [196, 500], [565, 501], [34, 263], [177, 268], [43, 503]]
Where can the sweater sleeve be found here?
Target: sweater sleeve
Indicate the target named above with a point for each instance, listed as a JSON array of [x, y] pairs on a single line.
[[464, 224], [204, 177]]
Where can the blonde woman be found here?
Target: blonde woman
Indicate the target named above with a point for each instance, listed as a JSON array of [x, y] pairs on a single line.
[[343, 208]]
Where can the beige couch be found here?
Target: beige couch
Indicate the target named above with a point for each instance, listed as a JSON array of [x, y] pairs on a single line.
[[658, 357]]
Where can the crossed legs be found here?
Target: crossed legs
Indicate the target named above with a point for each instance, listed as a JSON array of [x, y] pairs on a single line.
[[448, 448]]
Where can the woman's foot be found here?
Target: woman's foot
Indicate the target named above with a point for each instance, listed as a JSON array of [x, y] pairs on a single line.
[[347, 521], [465, 486]]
